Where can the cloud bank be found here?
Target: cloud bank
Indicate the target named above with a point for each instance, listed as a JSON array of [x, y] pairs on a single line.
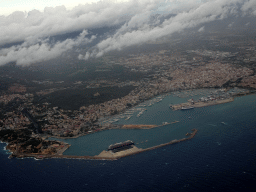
[[27, 53], [133, 18]]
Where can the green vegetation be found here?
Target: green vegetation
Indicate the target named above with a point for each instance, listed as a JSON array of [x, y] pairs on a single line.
[[73, 99]]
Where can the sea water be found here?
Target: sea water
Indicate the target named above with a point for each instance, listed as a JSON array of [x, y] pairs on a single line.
[[221, 157], [209, 119]]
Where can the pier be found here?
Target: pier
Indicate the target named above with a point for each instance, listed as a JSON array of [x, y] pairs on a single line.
[[108, 155], [201, 103], [132, 126]]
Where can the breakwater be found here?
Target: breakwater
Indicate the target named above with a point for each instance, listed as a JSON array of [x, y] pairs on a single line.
[[139, 126], [134, 126], [106, 155], [162, 145]]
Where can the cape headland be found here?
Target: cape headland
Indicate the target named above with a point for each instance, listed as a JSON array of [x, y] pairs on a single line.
[[24, 143]]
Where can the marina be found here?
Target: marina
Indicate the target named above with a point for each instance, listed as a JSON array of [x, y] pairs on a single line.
[[179, 123], [127, 95], [177, 100], [167, 125]]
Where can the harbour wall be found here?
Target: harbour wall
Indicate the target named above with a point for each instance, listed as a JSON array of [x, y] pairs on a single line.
[[38, 156]]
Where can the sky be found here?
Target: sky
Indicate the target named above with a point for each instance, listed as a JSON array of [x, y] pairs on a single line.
[[9, 6], [27, 26]]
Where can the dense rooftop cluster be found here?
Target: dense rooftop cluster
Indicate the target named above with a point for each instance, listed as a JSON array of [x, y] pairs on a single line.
[[165, 71], [211, 75]]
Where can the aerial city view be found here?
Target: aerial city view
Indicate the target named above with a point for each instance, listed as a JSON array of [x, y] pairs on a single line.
[[128, 95]]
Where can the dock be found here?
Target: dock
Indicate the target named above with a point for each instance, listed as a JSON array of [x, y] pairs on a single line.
[[139, 126], [133, 126], [201, 103], [108, 155], [134, 150]]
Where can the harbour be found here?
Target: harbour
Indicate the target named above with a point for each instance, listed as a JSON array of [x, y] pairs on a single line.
[[146, 137], [115, 151], [225, 132]]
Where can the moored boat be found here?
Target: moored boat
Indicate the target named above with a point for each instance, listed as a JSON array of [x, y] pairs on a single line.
[[186, 108]]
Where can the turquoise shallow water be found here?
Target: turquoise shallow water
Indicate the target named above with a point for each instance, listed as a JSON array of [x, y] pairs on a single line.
[[211, 120], [221, 157]]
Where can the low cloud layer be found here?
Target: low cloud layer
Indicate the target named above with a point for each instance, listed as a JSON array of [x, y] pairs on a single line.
[[26, 54], [33, 29]]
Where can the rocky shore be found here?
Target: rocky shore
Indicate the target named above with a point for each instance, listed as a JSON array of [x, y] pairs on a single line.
[[24, 143]]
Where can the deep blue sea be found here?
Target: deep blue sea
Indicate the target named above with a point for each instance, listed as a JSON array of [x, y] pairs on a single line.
[[221, 157]]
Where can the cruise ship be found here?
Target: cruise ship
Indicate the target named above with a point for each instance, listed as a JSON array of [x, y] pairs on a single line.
[[120, 146]]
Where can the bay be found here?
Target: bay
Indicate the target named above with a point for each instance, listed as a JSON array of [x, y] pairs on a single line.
[[221, 157], [210, 119]]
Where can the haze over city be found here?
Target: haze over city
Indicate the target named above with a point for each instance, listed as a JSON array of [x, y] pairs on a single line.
[[127, 95], [27, 36]]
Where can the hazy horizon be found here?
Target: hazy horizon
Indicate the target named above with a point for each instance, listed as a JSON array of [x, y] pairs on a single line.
[[105, 26]]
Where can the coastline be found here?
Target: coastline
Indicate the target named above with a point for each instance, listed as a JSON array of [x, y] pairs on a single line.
[[105, 155], [59, 154], [248, 92]]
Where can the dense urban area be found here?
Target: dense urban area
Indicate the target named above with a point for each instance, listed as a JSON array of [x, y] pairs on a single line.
[[153, 73]]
